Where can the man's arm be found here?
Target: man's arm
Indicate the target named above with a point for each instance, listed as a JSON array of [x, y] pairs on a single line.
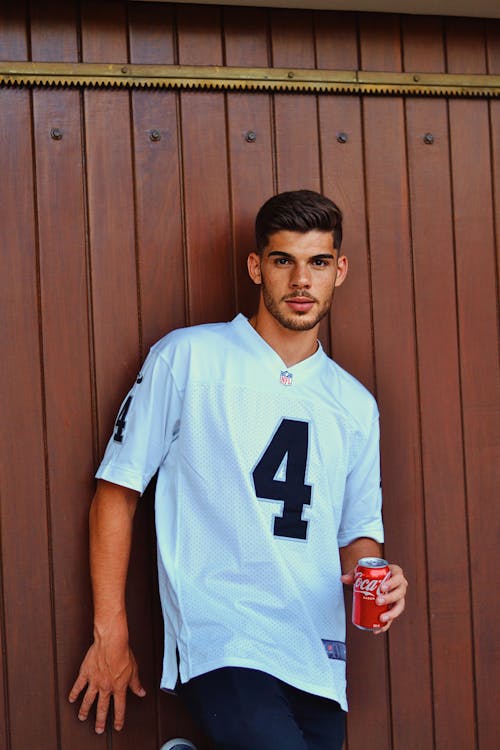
[[394, 589], [109, 667]]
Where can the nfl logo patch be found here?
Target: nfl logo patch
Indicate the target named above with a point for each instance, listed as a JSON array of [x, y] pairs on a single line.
[[286, 377]]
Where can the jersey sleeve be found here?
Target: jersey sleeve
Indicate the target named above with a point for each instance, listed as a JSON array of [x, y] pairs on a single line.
[[144, 429], [362, 506]]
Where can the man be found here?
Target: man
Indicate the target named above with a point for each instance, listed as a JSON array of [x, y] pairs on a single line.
[[268, 493]]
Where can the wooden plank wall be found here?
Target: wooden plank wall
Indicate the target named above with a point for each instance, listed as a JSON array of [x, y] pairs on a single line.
[[110, 239]]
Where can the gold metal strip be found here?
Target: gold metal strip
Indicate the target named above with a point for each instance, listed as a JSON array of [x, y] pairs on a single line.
[[14, 73]]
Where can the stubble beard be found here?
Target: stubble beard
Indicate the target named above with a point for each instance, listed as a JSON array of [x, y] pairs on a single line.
[[293, 321]]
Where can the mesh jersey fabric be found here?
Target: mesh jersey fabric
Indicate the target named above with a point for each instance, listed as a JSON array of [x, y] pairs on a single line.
[[250, 576]]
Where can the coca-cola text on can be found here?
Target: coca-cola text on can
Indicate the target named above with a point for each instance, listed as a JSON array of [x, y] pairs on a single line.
[[370, 573]]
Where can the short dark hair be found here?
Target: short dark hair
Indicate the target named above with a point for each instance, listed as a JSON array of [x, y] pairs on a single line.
[[298, 211]]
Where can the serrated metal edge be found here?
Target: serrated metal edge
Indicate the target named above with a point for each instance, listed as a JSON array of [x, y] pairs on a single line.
[[66, 75]]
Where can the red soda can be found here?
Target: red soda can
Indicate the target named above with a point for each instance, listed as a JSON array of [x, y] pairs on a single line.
[[370, 573]]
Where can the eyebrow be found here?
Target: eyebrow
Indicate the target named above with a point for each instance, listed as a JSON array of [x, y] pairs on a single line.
[[282, 253]]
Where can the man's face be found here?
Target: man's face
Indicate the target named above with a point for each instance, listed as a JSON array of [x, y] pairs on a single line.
[[298, 274]]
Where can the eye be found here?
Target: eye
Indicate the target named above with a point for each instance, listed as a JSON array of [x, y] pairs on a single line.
[[320, 262], [282, 261]]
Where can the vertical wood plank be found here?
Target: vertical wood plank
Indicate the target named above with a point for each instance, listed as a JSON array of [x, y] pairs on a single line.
[[478, 340], [67, 382], [336, 36], [157, 180], [13, 31], [380, 42], [422, 39], [205, 174], [251, 162], [465, 45], [114, 291], [67, 377], [439, 384], [296, 118], [13, 23], [352, 341], [4, 688], [53, 27], [26, 587], [111, 216], [493, 61], [397, 387], [163, 303], [493, 46]]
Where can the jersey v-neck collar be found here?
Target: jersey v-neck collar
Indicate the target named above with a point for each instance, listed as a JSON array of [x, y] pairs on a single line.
[[243, 324]]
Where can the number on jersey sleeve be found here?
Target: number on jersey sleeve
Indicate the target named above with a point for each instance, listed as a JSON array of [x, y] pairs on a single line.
[[121, 421], [289, 442]]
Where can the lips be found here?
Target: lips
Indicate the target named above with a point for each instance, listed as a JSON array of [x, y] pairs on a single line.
[[300, 304]]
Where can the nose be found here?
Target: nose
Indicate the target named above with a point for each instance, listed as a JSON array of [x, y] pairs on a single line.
[[301, 276]]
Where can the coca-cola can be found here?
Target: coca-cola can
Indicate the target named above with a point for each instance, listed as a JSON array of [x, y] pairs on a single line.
[[370, 573]]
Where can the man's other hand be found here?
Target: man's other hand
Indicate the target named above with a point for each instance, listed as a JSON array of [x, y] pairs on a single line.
[[392, 592], [108, 670]]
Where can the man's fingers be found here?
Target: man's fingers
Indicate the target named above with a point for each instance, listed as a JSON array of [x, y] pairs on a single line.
[[393, 590], [135, 684], [77, 688], [102, 712], [392, 597], [385, 624], [119, 703], [394, 611], [387, 618], [106, 677], [86, 704], [395, 581]]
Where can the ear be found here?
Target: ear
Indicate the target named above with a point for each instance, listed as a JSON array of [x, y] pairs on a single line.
[[342, 267], [253, 265]]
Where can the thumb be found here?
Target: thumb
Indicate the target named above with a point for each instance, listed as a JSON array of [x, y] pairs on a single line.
[[348, 578], [135, 684]]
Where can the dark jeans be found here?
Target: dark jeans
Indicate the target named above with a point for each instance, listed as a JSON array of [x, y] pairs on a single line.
[[244, 709]]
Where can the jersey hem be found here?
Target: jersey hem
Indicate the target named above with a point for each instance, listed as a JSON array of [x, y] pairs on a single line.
[[376, 534], [118, 475], [227, 661]]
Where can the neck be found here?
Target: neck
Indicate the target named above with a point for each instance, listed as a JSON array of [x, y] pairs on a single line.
[[291, 346]]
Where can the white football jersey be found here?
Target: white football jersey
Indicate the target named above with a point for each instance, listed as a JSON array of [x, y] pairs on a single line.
[[263, 472]]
